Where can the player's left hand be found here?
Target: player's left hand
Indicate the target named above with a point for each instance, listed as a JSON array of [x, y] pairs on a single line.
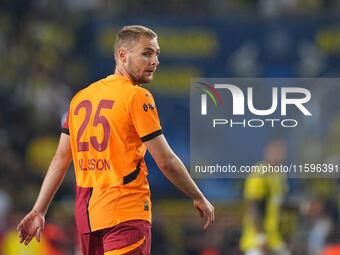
[[205, 208], [31, 226]]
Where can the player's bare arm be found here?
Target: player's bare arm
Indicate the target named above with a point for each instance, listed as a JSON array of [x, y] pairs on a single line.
[[175, 171], [33, 223]]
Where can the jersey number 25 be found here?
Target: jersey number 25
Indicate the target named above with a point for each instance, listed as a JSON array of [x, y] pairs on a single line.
[[98, 119]]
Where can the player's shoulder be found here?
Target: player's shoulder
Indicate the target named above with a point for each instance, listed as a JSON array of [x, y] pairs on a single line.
[[140, 92], [76, 96]]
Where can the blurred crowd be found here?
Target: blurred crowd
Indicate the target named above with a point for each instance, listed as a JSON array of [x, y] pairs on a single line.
[[44, 62]]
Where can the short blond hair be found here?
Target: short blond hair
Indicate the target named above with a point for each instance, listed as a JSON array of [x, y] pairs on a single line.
[[129, 35]]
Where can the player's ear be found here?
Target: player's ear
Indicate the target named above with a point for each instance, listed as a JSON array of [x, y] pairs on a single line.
[[122, 56]]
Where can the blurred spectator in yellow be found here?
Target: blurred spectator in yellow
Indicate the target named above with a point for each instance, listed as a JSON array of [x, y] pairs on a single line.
[[263, 194]]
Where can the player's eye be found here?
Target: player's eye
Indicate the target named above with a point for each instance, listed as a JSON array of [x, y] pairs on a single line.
[[146, 54]]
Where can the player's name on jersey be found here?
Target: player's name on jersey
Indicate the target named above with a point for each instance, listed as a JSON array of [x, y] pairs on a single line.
[[94, 164]]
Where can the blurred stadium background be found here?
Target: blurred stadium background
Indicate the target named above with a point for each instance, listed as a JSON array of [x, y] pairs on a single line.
[[51, 49]]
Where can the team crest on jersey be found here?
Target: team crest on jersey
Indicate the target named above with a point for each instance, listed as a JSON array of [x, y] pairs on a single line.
[[147, 107]]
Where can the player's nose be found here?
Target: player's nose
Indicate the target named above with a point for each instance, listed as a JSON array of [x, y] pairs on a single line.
[[155, 61]]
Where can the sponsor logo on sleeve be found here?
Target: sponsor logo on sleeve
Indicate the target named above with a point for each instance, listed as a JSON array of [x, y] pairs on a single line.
[[147, 107]]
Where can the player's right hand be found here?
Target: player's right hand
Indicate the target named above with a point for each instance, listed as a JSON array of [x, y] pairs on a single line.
[[31, 226], [205, 208]]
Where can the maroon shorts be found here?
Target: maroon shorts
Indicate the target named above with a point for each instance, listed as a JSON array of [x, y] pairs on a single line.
[[128, 238]]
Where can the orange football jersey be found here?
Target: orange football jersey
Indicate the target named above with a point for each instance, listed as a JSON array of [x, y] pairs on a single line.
[[108, 122]]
